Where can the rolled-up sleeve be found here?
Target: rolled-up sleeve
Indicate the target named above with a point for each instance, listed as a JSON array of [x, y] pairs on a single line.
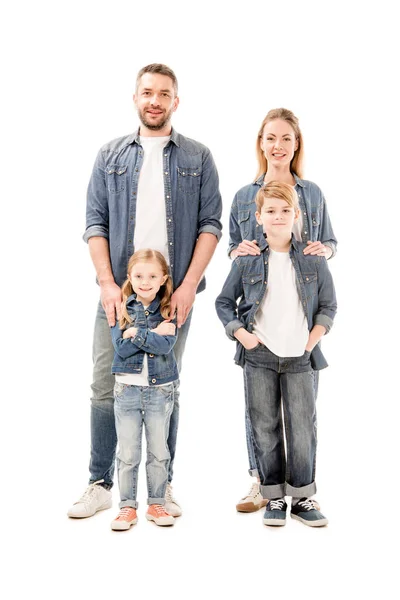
[[97, 210], [209, 220], [327, 305], [226, 303]]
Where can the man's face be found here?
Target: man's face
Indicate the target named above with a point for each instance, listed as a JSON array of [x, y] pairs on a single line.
[[155, 100]]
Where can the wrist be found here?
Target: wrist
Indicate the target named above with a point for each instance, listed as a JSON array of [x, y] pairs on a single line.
[[105, 280]]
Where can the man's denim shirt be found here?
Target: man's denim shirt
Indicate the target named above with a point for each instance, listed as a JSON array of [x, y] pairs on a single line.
[[248, 280], [316, 222], [192, 200], [129, 353]]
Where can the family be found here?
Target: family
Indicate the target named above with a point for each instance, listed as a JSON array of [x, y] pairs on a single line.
[[152, 226]]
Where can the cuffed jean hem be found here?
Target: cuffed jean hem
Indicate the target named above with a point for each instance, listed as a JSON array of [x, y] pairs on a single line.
[[156, 501], [301, 492], [106, 486], [130, 503], [253, 472], [273, 491]]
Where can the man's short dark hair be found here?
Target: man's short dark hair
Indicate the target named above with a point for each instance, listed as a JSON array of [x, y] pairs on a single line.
[[162, 70]]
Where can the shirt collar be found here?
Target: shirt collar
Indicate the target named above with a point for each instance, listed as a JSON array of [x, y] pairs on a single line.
[[264, 244], [152, 308], [135, 137], [299, 181]]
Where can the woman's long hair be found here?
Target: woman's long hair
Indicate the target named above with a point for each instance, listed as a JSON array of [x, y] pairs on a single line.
[[166, 289], [296, 164]]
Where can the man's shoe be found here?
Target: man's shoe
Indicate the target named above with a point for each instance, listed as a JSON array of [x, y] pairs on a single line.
[[95, 498], [253, 501], [126, 518], [158, 514], [171, 505], [308, 512], [275, 513]]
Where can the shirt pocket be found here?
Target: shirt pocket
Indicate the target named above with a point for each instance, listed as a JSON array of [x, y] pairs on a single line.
[[116, 178], [252, 286], [310, 281], [189, 180]]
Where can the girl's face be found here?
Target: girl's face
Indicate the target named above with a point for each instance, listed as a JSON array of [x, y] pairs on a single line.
[[146, 279], [278, 143], [277, 218]]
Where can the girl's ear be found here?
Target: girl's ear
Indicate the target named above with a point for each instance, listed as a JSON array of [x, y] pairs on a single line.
[[164, 279]]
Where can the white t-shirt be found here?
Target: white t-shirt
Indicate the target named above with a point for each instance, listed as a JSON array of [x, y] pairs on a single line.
[[280, 322], [151, 220]]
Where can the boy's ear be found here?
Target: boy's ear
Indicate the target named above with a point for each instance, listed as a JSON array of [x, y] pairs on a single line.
[[258, 218]]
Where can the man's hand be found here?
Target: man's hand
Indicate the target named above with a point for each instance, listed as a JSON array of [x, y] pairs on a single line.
[[246, 247], [165, 328], [182, 301], [318, 249], [111, 298]]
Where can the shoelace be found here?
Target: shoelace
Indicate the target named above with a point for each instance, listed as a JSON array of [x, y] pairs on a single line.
[[168, 494], [160, 510], [309, 504], [277, 504], [90, 491], [124, 512], [254, 490]]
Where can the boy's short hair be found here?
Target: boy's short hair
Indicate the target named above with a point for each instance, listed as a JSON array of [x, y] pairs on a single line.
[[276, 189], [160, 69]]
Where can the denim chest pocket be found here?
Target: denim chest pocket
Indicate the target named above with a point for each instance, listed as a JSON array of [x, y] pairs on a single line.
[[244, 222], [252, 286], [315, 220], [189, 180], [310, 281], [116, 178]]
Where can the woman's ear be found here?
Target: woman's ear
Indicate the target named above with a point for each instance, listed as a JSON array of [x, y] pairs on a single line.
[[296, 215]]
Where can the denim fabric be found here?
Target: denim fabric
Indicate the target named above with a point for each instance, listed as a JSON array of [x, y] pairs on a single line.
[[248, 280], [134, 407], [103, 434], [129, 353], [316, 221], [274, 384], [192, 200]]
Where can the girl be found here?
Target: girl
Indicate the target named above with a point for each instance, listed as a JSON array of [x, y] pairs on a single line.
[[145, 377], [287, 303], [280, 155]]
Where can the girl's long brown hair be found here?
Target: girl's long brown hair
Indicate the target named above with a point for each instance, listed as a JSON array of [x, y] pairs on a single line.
[[166, 289]]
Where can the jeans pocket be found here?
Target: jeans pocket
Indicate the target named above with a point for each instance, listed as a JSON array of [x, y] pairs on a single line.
[[253, 349]]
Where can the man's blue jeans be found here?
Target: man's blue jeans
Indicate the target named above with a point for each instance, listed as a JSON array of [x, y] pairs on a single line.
[[135, 406], [274, 384], [102, 421]]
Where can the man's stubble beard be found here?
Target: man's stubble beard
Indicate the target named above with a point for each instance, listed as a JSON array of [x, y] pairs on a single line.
[[151, 126]]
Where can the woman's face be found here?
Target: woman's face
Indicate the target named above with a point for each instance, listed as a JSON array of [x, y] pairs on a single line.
[[278, 143]]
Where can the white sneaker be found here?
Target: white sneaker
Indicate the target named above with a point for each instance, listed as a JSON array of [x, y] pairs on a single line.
[[95, 498], [253, 501], [171, 506]]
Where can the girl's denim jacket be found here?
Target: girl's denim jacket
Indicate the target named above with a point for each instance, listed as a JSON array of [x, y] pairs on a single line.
[[129, 353], [248, 280], [316, 222]]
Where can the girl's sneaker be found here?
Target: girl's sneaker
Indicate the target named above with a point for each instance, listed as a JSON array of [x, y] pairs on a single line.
[[308, 512], [126, 518], [158, 514], [275, 513]]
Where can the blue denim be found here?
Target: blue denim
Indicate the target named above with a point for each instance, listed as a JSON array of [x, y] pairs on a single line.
[[192, 200], [274, 384], [134, 407], [103, 434], [130, 352], [316, 221], [248, 281]]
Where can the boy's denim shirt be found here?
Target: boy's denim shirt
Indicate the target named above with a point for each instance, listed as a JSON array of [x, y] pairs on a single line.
[[192, 200], [248, 280], [129, 353], [316, 222]]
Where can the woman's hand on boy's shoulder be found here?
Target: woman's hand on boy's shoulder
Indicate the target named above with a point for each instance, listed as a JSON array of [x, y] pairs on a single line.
[[317, 249], [246, 248]]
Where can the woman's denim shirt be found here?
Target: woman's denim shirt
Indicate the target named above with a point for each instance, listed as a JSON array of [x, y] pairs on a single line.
[[129, 353], [248, 280], [316, 222]]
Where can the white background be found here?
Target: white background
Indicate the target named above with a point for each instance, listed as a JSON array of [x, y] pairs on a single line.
[[68, 79]]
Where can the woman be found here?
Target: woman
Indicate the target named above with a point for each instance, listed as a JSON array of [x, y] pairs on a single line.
[[280, 155]]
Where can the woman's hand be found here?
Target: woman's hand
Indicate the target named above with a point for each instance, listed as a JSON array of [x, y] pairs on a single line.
[[129, 333], [245, 248], [317, 249], [165, 328]]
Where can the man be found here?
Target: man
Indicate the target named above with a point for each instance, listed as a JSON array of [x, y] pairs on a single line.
[[152, 189]]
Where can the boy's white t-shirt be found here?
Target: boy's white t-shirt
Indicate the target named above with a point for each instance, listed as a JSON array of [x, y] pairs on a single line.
[[280, 322], [151, 219]]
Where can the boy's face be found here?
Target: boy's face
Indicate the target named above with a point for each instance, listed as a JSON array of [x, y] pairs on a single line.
[[277, 218]]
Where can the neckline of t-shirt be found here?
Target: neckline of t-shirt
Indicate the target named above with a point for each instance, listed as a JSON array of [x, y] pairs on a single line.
[[277, 251], [154, 139]]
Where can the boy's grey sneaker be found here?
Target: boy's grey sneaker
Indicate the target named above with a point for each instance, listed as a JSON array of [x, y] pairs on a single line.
[[275, 513], [308, 512], [171, 505], [95, 498]]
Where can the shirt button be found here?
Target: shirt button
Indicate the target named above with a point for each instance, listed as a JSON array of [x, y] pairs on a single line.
[[265, 282], [307, 279], [167, 196], [305, 232], [252, 281], [305, 212], [170, 243], [183, 173], [166, 172], [151, 355], [194, 173], [136, 170], [130, 241], [165, 154], [153, 380], [146, 312], [257, 302], [250, 323], [265, 262], [169, 220]]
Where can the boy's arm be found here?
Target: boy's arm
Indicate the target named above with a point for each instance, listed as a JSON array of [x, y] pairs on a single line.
[[226, 303]]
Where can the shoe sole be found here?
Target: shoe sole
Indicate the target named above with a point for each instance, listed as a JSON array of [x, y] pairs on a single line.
[[105, 506], [121, 526], [150, 518], [249, 507], [319, 523], [275, 522]]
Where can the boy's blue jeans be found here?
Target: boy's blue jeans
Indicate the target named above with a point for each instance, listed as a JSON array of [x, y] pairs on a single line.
[[135, 406], [274, 384], [102, 421]]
